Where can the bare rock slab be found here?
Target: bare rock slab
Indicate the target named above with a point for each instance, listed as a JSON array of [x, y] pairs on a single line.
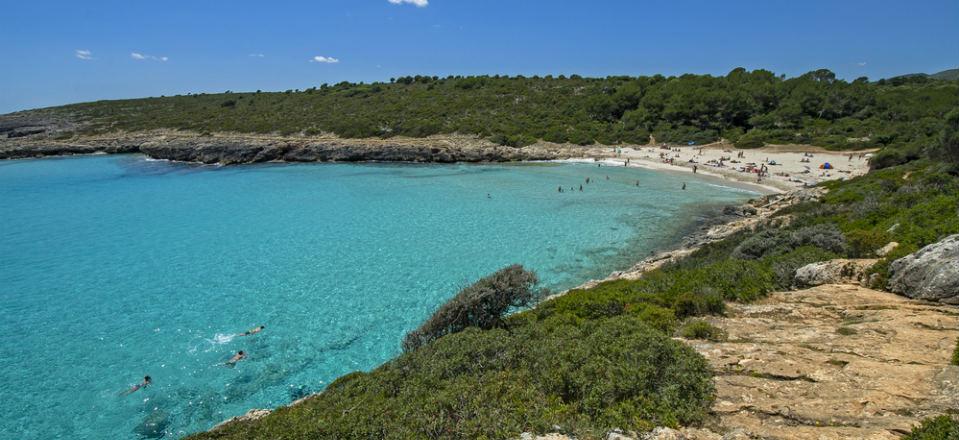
[[833, 362], [839, 271]]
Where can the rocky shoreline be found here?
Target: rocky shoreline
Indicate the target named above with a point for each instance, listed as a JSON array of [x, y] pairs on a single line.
[[733, 219], [231, 149]]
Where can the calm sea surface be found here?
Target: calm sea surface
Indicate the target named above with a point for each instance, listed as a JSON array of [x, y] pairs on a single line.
[[114, 267]]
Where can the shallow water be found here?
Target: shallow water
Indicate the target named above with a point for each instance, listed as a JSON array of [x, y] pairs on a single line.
[[113, 267]]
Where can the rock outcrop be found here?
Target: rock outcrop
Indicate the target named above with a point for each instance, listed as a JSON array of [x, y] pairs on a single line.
[[833, 361], [839, 271], [233, 148], [885, 250], [253, 414], [931, 274]]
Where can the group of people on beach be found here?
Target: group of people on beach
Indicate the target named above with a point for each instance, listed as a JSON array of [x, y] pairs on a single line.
[[239, 356], [571, 189]]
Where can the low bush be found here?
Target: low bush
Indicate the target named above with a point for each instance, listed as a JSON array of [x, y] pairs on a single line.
[[935, 428], [772, 242], [482, 305], [699, 329], [533, 376]]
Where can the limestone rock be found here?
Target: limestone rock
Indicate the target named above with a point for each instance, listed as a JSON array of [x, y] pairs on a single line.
[[253, 414], [786, 372], [930, 274], [885, 250], [839, 271]]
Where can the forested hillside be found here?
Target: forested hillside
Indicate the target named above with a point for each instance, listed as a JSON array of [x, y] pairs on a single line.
[[748, 108]]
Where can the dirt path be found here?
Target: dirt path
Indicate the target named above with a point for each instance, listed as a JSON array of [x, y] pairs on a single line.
[[833, 362]]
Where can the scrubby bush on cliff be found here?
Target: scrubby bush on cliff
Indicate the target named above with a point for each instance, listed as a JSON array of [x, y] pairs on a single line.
[[531, 376], [699, 329], [935, 428], [772, 242], [482, 305], [955, 354]]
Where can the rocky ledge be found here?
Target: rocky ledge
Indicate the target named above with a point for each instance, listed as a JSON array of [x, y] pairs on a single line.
[[228, 149]]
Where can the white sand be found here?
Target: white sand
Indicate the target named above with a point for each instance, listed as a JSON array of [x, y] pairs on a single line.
[[786, 169]]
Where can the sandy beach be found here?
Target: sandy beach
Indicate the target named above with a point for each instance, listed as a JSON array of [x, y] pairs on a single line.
[[786, 167]]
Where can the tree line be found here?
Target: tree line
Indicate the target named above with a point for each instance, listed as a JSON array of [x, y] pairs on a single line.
[[748, 108]]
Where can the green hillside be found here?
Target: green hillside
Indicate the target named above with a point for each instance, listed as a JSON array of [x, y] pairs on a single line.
[[748, 108]]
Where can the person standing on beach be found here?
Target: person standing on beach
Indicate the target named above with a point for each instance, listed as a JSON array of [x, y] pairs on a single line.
[[695, 167]]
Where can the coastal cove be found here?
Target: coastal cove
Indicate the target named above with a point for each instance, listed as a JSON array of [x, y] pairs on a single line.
[[118, 266]]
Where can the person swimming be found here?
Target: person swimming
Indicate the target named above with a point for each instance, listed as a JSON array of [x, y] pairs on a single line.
[[147, 380], [684, 185], [253, 331], [239, 356]]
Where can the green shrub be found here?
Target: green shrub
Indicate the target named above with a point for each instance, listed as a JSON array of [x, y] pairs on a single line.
[[865, 243], [771, 242], [699, 329], [750, 140], [691, 304], [498, 383], [659, 318], [482, 305], [935, 428]]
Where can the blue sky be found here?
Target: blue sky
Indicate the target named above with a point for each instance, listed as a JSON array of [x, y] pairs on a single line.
[[213, 45]]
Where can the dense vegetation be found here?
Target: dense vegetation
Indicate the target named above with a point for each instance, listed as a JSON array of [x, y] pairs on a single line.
[[599, 358], [526, 374], [935, 428], [748, 108], [482, 305]]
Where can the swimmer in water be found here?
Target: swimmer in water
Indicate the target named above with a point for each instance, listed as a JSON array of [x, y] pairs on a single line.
[[684, 185], [239, 356], [252, 331], [146, 382]]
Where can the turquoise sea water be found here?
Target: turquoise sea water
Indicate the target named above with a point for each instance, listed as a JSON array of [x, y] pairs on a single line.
[[113, 267]]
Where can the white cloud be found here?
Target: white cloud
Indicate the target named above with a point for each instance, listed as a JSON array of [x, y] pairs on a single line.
[[322, 59], [418, 3], [861, 64], [140, 57], [83, 54], [256, 55]]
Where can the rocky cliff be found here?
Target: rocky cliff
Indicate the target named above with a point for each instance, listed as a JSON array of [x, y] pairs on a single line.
[[38, 136]]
